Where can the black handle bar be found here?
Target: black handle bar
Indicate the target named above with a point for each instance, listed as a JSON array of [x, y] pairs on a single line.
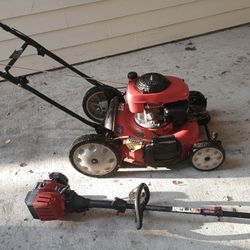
[[41, 50], [23, 82]]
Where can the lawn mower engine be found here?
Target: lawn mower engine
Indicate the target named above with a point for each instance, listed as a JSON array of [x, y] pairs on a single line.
[[157, 123], [155, 120]]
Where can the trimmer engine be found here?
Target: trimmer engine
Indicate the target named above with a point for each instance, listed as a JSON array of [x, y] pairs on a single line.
[[52, 199], [46, 201]]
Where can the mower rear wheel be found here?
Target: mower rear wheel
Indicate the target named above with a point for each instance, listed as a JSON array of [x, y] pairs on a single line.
[[197, 102], [207, 156], [95, 155], [96, 102]]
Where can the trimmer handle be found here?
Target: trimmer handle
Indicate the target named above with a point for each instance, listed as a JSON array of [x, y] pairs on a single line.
[[142, 197]]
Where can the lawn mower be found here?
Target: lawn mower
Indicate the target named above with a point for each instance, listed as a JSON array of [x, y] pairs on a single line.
[[52, 199], [155, 122]]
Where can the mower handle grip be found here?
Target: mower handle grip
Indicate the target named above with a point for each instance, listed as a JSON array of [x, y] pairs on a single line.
[[141, 204], [20, 35]]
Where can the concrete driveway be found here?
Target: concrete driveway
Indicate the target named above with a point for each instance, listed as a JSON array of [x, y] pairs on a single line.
[[35, 138]]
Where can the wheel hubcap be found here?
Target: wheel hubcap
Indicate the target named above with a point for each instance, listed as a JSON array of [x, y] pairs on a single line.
[[95, 159], [207, 158]]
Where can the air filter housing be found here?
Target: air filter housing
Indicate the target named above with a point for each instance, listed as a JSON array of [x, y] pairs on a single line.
[[154, 89], [152, 83]]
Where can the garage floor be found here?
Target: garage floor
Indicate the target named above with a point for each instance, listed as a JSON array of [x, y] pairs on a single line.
[[35, 139]]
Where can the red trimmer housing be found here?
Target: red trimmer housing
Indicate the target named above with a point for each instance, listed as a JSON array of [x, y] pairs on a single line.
[[46, 201]]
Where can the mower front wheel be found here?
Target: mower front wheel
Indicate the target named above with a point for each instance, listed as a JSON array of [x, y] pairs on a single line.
[[207, 155], [95, 155]]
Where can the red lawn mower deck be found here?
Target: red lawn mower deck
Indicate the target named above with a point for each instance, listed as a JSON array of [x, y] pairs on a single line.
[[155, 123]]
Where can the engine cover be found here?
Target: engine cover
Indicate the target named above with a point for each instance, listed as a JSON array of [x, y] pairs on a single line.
[[45, 202], [137, 97], [152, 83]]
